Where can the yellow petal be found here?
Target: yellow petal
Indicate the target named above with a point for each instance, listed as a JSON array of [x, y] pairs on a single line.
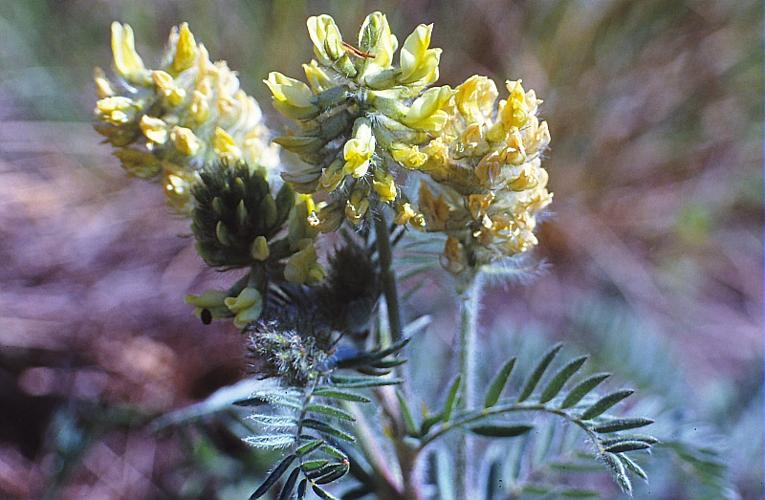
[[419, 65], [104, 87], [116, 110], [127, 62], [385, 186], [326, 38], [154, 129], [225, 146], [167, 87], [318, 79], [185, 141], [408, 156], [185, 50]]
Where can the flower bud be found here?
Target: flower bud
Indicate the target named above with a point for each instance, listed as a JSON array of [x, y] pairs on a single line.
[[154, 129], [376, 38], [185, 141], [167, 87], [259, 250], [326, 38], [127, 62], [185, 49], [291, 97]]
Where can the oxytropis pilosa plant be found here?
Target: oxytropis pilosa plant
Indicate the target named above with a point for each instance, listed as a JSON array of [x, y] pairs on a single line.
[[377, 154]]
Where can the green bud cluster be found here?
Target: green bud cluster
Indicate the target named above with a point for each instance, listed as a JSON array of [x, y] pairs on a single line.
[[239, 223], [236, 218]]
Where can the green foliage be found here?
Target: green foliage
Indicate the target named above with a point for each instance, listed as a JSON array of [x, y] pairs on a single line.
[[578, 406]]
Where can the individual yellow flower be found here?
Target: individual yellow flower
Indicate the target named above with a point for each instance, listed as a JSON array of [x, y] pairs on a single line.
[[104, 87], [408, 156], [127, 62], [385, 186], [427, 111], [358, 151], [291, 97], [303, 266], [475, 98], [225, 146], [318, 78], [178, 183], [185, 49], [185, 141], [211, 301], [326, 38], [518, 107], [246, 307], [357, 205], [116, 110], [167, 87], [299, 227], [419, 63], [154, 129], [139, 163], [405, 214]]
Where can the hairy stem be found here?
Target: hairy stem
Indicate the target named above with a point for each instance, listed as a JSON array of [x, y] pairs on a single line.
[[474, 416], [387, 485], [407, 458], [388, 277], [468, 312]]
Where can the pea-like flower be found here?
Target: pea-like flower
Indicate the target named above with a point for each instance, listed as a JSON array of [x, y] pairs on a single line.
[[486, 165], [358, 112], [171, 121]]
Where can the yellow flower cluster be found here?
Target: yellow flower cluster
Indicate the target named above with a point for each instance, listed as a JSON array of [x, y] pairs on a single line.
[[170, 122], [487, 166], [356, 106], [361, 118]]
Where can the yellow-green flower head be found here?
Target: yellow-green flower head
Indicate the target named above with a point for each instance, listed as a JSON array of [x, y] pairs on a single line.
[[170, 121], [487, 164], [357, 111]]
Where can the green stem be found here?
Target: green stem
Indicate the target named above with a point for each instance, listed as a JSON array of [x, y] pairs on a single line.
[[474, 416], [388, 277], [468, 311]]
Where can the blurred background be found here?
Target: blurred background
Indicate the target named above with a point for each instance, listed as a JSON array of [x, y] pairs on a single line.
[[653, 249]]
